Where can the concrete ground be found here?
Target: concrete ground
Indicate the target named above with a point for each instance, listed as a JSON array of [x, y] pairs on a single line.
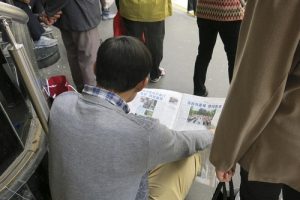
[[180, 50]]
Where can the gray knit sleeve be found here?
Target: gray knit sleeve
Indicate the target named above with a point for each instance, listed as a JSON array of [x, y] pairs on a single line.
[[167, 145]]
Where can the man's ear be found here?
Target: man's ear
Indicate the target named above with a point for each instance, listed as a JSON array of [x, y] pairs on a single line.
[[142, 84]]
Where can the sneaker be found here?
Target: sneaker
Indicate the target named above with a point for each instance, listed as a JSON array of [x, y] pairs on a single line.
[[191, 13], [202, 93], [155, 80], [45, 42], [162, 71], [106, 15]]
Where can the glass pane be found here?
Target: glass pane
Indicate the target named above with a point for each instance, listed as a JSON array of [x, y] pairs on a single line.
[[15, 112], [13, 88], [22, 36], [13, 101], [23, 193], [10, 145]]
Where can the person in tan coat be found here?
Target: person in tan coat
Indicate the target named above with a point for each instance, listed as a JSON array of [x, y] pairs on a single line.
[[259, 127]]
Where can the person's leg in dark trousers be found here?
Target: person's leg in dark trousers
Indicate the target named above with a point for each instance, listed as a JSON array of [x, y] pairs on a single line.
[[289, 193], [117, 3], [192, 5], [207, 39], [229, 33], [35, 28], [253, 190], [134, 28], [154, 33], [154, 36]]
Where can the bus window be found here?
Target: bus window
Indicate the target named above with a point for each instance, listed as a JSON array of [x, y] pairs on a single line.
[[13, 100], [10, 145]]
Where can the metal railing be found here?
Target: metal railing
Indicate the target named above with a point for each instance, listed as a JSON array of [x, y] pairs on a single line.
[[14, 13], [23, 63]]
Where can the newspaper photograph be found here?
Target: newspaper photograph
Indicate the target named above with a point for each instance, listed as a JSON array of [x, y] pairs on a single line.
[[158, 104], [198, 113]]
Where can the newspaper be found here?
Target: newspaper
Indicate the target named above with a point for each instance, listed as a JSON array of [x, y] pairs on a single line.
[[179, 111]]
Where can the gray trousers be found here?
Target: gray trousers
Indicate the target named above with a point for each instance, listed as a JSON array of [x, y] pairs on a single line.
[[82, 50]]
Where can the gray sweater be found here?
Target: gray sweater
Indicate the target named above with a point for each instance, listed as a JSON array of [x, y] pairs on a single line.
[[97, 151]]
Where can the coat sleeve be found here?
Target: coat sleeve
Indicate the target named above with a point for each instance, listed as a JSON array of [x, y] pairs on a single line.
[[53, 6], [167, 145], [267, 43]]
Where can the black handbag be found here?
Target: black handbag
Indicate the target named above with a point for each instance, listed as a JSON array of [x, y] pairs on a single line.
[[221, 192]]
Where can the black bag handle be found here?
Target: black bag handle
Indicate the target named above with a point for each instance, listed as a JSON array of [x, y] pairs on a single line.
[[218, 190], [222, 186], [231, 190]]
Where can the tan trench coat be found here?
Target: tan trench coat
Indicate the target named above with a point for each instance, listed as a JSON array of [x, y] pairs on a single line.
[[260, 123]]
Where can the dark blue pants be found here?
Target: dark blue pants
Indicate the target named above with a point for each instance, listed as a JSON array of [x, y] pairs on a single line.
[[253, 190], [34, 26], [208, 31]]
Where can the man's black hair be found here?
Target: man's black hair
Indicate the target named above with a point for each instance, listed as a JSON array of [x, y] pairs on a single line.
[[122, 62]]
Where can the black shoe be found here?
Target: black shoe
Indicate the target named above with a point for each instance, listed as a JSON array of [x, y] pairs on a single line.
[[155, 80], [202, 93], [162, 73]]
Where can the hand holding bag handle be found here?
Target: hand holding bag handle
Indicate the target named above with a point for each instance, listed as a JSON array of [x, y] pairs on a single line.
[[222, 195]]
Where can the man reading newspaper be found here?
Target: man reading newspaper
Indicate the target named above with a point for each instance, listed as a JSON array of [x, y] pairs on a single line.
[[98, 150]]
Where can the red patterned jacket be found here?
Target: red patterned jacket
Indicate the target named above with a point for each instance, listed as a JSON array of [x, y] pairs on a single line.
[[220, 10]]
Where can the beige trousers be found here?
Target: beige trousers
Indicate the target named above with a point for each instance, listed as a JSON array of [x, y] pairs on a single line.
[[172, 181]]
